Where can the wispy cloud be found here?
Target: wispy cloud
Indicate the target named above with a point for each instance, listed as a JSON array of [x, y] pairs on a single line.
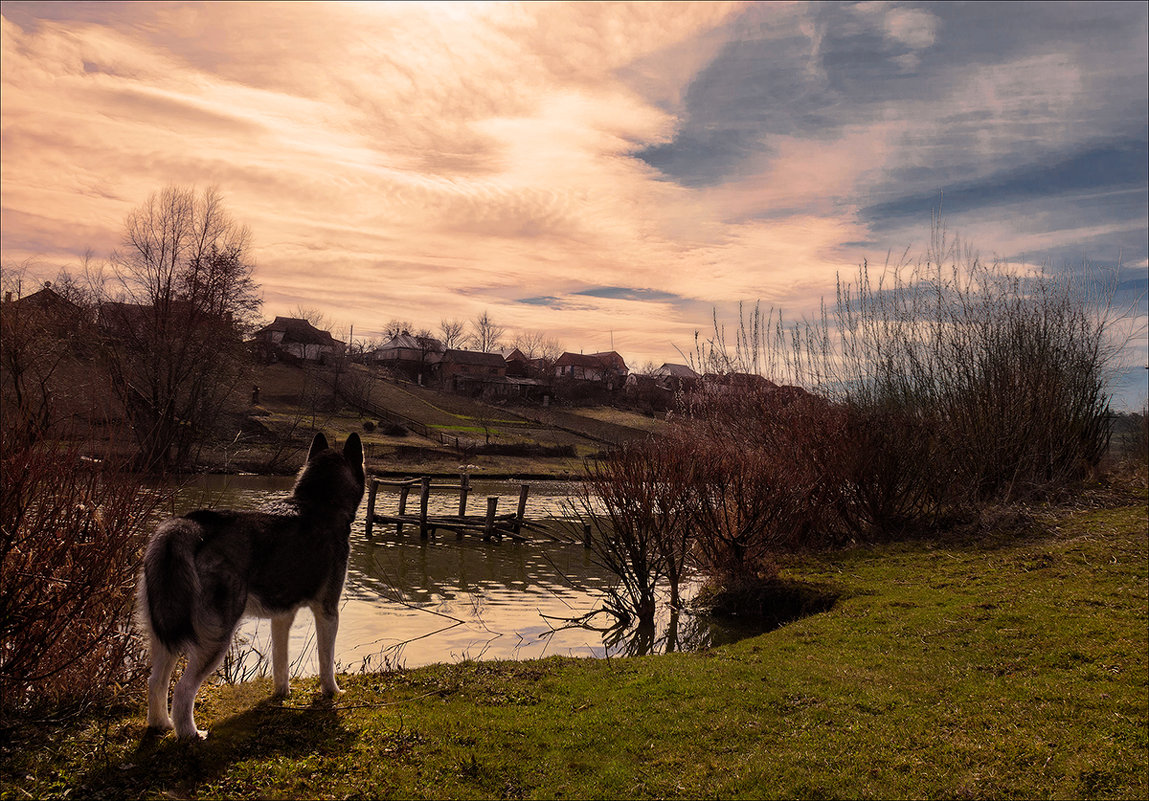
[[585, 169]]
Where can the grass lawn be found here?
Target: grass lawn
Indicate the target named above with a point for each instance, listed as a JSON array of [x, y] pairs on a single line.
[[1006, 667]]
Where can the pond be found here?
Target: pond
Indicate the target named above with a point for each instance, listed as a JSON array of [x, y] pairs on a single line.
[[411, 602]]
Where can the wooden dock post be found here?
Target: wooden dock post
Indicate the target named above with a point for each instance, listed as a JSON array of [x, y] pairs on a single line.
[[371, 506], [526, 488], [403, 492], [492, 506], [464, 491], [424, 496], [586, 535], [492, 527]]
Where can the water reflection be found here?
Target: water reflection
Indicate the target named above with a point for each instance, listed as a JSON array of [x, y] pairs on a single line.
[[413, 602]]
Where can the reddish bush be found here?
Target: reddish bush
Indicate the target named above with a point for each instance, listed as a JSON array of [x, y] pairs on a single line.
[[72, 533], [894, 473], [768, 475], [635, 498]]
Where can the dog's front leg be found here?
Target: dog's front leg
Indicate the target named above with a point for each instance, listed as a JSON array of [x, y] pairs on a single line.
[[326, 627], [280, 634]]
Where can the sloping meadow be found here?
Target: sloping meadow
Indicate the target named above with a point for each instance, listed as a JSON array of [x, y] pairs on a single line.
[[1010, 665]]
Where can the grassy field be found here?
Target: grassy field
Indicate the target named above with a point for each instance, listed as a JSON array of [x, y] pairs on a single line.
[[1008, 665]]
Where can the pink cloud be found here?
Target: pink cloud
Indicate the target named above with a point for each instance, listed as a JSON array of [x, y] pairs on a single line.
[[434, 160]]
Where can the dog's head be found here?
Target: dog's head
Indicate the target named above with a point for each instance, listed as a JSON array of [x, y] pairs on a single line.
[[330, 478]]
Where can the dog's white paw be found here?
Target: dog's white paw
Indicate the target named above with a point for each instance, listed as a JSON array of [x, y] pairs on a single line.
[[332, 691], [195, 736], [281, 692], [160, 727], [160, 723]]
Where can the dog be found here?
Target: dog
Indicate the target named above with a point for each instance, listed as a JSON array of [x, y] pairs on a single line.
[[205, 571]]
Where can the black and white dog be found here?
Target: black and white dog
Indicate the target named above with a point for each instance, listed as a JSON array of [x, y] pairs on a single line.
[[205, 571]]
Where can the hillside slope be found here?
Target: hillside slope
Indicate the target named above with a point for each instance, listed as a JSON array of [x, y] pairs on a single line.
[[409, 429]]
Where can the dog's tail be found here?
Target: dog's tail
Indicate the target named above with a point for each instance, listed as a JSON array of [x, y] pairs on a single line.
[[171, 583]]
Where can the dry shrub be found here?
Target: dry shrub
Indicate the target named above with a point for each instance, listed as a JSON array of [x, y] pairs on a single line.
[[767, 476], [990, 381], [635, 497], [893, 477], [73, 530], [943, 386]]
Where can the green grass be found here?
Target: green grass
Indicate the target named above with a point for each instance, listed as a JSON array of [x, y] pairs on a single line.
[[1010, 667]]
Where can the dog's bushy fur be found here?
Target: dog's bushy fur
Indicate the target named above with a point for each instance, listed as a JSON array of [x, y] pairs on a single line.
[[205, 571]]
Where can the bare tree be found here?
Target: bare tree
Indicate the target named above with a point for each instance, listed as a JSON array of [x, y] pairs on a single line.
[[173, 339], [486, 334], [537, 345], [395, 327], [313, 316], [550, 351], [452, 333]]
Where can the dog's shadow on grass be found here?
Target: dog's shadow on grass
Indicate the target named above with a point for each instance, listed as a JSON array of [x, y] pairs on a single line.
[[273, 727]]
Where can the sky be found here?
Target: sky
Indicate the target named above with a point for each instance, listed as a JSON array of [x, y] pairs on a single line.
[[614, 175]]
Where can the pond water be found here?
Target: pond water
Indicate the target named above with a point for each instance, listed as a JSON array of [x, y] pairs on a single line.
[[411, 602]]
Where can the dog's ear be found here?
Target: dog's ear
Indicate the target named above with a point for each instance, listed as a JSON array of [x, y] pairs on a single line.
[[318, 445], [353, 449]]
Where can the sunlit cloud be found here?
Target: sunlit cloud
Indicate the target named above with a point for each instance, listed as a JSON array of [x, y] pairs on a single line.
[[606, 173]]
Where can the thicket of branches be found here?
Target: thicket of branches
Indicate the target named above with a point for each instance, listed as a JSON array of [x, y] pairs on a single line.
[[635, 502], [992, 380], [71, 532], [928, 391]]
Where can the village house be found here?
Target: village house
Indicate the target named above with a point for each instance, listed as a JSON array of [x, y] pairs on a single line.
[[45, 313], [658, 390], [472, 373], [48, 306], [736, 382], [675, 377], [409, 355], [139, 324], [669, 377], [607, 368], [123, 320], [298, 339], [519, 365]]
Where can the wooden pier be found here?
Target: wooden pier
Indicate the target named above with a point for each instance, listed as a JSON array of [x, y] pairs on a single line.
[[491, 526]]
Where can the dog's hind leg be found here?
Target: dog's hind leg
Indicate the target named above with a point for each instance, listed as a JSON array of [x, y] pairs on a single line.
[[280, 634], [159, 683], [326, 627], [203, 660]]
